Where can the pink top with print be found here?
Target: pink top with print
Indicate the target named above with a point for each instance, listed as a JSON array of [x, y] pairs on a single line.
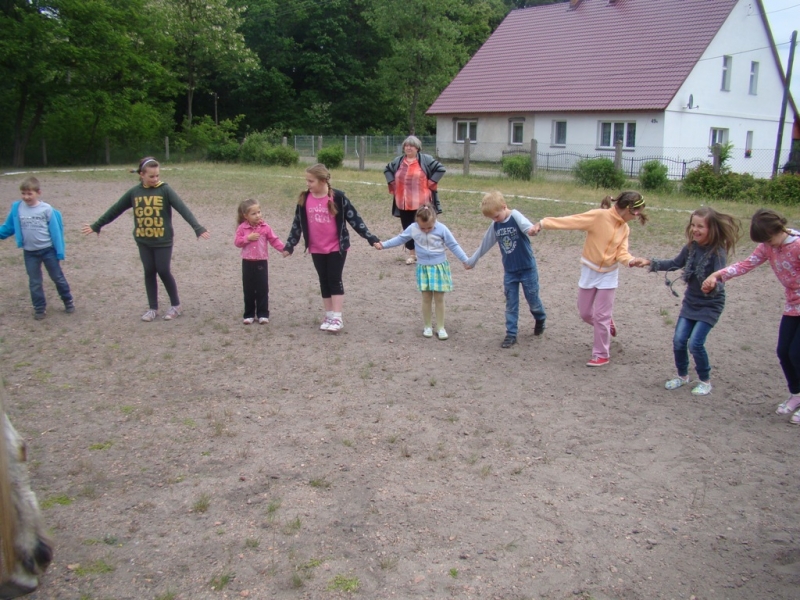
[[785, 263], [323, 237], [257, 250]]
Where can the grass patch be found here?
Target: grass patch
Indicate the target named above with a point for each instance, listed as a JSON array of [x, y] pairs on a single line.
[[221, 581], [293, 526], [102, 445], [320, 483], [97, 567], [201, 504], [342, 583], [51, 501]]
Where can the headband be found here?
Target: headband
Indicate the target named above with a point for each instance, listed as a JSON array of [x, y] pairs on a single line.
[[638, 203], [146, 162]]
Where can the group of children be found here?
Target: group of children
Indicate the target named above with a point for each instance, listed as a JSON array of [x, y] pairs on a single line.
[[321, 217]]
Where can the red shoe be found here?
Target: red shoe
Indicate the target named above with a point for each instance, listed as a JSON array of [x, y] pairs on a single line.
[[613, 329], [597, 362]]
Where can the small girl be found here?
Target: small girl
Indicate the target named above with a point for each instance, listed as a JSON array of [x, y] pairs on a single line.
[[433, 270], [252, 236], [321, 218], [711, 236], [152, 202], [605, 247], [781, 247]]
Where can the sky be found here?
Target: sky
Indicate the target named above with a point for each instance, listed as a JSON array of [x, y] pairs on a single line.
[[784, 17]]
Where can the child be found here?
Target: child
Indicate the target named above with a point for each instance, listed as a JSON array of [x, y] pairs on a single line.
[[320, 217], [152, 202], [39, 231], [711, 236], [433, 270], [252, 236], [606, 245], [781, 247], [510, 230]]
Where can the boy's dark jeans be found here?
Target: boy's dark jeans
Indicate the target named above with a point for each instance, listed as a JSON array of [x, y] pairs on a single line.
[[33, 265], [528, 279]]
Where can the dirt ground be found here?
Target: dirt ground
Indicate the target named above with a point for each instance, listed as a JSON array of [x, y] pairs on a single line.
[[204, 459]]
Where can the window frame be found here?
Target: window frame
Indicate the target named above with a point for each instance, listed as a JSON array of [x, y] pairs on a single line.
[[753, 89], [748, 144], [613, 130], [471, 130], [715, 135], [555, 139], [515, 125], [727, 68]]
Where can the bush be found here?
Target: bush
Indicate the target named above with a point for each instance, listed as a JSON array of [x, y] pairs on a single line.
[[784, 189], [283, 156], [599, 172], [258, 149], [517, 166], [332, 156], [224, 152], [702, 181], [653, 176], [203, 134]]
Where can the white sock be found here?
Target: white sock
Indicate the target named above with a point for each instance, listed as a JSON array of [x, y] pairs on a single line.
[[337, 315]]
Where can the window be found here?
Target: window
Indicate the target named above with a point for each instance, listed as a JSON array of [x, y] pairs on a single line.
[[753, 78], [517, 128], [718, 136], [727, 64], [611, 133], [559, 133], [466, 130], [748, 145]]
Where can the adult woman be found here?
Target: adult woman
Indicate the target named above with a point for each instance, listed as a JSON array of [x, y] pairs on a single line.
[[413, 179], [606, 246]]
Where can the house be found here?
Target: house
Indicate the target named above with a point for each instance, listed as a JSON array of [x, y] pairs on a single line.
[[667, 78]]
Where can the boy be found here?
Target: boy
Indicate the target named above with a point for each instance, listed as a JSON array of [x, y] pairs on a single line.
[[39, 232], [510, 230]]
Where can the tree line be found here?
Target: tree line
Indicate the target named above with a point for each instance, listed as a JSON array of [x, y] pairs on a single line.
[[80, 74]]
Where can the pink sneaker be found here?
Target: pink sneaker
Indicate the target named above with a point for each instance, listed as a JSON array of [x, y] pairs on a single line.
[[791, 405], [597, 362]]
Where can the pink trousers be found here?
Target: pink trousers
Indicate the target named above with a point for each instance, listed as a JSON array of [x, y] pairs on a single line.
[[596, 308]]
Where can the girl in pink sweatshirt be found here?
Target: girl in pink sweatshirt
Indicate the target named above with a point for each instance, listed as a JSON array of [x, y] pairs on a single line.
[[252, 236]]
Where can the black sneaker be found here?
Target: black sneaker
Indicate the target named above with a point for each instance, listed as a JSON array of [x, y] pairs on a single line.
[[508, 342], [69, 308], [39, 315], [539, 327]]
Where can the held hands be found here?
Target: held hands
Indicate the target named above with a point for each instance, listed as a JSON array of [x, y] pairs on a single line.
[[285, 253], [467, 266], [639, 262], [535, 229], [377, 246], [709, 284]]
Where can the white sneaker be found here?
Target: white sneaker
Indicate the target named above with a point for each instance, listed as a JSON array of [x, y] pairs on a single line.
[[674, 384], [173, 313], [248, 321], [335, 325], [702, 389], [427, 332], [442, 334], [325, 324], [263, 320], [150, 315]]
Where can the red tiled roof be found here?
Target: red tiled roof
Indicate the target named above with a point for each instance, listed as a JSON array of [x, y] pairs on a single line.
[[625, 55]]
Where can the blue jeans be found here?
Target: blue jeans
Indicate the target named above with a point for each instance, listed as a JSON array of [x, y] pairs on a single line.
[[691, 334], [529, 280], [33, 265]]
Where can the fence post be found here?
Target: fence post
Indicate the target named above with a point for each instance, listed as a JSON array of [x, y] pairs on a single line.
[[108, 151], [319, 143], [715, 152], [618, 154], [345, 145], [166, 147], [362, 151], [534, 146], [284, 141], [44, 152], [467, 144]]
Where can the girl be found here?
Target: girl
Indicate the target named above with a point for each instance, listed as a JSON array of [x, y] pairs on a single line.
[[606, 245], [433, 271], [711, 236], [781, 247], [320, 218], [152, 202], [252, 236]]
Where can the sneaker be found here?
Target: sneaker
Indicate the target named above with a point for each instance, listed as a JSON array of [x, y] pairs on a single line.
[[263, 320], [442, 334], [427, 332], [702, 389], [674, 384], [39, 315], [335, 325], [509, 341], [173, 313], [597, 362], [539, 327], [795, 420], [150, 315], [613, 329], [788, 407], [325, 324], [248, 321], [69, 308]]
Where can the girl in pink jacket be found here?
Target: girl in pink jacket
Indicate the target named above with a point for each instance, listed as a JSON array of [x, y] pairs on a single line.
[[252, 236]]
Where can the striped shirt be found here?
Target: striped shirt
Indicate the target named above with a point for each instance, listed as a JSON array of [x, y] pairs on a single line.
[[411, 190]]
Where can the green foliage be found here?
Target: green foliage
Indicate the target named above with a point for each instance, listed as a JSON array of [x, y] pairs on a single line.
[[725, 153], [332, 156], [258, 149], [743, 187], [204, 135], [599, 172], [517, 166], [224, 152], [785, 189], [653, 175]]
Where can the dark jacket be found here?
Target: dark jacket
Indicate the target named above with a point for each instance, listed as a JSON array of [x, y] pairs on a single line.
[[346, 212], [433, 169]]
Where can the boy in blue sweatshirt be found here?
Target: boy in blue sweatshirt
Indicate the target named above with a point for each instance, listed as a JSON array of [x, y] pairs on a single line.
[[510, 230], [39, 231]]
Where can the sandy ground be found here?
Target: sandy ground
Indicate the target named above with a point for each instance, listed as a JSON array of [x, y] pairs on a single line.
[[204, 459]]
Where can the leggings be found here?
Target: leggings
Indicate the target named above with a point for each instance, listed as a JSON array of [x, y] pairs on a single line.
[[156, 261], [329, 269], [789, 351], [407, 217]]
